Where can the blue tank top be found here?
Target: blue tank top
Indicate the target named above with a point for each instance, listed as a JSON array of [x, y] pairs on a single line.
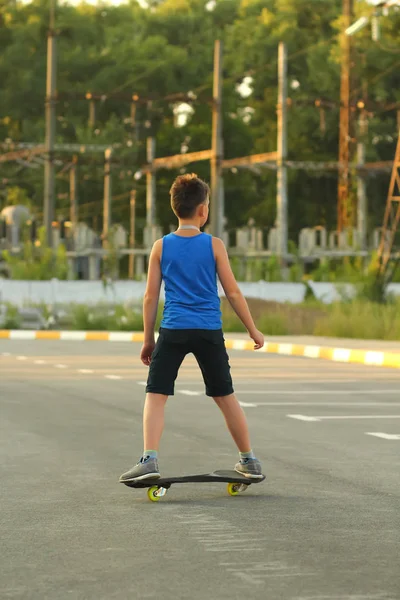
[[190, 277]]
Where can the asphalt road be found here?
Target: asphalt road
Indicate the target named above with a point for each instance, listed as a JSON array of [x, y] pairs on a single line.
[[325, 525]]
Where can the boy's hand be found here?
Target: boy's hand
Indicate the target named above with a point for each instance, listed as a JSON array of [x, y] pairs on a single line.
[[146, 352], [258, 339]]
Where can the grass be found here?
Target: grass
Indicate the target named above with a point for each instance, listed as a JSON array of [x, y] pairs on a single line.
[[351, 319], [356, 319]]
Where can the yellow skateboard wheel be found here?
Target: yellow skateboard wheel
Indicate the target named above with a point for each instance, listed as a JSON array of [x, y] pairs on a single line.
[[233, 489], [151, 493]]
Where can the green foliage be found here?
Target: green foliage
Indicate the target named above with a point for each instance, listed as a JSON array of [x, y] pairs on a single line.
[[9, 317], [361, 319], [168, 48], [17, 195], [38, 262]]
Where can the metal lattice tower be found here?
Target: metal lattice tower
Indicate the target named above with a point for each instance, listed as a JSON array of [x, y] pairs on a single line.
[[391, 220]]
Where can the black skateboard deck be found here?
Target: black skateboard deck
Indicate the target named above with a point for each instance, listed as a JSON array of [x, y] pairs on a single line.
[[158, 487]]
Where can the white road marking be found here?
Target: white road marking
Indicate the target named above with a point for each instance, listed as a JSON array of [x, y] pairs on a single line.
[[311, 351], [60, 366], [285, 348], [21, 334], [374, 358], [5, 354], [317, 392], [73, 336], [239, 344], [333, 417], [22, 357], [302, 418], [141, 382], [385, 436], [85, 371], [120, 336], [113, 376], [248, 405], [341, 354], [326, 404], [189, 392], [39, 362]]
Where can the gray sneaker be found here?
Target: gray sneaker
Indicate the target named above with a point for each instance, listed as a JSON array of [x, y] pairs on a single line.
[[249, 467], [146, 468]]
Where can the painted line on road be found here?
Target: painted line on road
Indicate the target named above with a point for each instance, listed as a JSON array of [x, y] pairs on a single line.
[[60, 366], [323, 404], [39, 362], [189, 392], [344, 355], [316, 392], [340, 417], [385, 436], [85, 371], [113, 376], [6, 354], [22, 358], [302, 418], [248, 405]]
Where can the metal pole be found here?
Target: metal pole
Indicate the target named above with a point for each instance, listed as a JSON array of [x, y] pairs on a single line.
[[73, 194], [344, 206], [216, 210], [281, 183], [92, 113], [132, 234], [107, 196], [362, 202], [150, 185], [50, 118]]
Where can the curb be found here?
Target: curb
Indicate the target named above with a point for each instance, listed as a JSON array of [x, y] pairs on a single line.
[[344, 355]]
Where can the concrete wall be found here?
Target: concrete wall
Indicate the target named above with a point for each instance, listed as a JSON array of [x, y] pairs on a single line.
[[22, 293]]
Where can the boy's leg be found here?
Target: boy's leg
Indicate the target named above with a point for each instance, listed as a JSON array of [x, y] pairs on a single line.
[[213, 360], [235, 420], [153, 420], [167, 357]]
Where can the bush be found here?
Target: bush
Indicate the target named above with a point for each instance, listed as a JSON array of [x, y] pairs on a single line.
[[9, 317], [38, 262], [361, 319]]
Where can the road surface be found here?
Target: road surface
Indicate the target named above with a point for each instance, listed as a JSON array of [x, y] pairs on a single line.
[[325, 525]]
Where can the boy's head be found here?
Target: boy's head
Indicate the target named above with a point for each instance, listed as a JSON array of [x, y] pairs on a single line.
[[190, 198]]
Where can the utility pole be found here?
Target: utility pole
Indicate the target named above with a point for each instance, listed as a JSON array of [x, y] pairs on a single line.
[[73, 197], [92, 110], [151, 187], [344, 208], [107, 197], [216, 209], [391, 221], [132, 234], [281, 184], [134, 118], [362, 204], [50, 118]]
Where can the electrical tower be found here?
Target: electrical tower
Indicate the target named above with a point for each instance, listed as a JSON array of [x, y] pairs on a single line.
[[391, 221]]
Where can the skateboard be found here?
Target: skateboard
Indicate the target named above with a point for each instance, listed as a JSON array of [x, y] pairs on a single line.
[[157, 488]]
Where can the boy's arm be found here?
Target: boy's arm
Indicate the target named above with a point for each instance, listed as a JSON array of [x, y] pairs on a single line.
[[233, 293], [150, 301]]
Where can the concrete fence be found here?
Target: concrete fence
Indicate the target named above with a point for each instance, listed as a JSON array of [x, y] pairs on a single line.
[[23, 293]]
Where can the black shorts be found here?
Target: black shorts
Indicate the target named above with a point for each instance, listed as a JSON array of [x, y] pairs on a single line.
[[208, 347]]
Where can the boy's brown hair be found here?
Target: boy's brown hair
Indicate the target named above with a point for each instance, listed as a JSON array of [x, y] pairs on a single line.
[[187, 193]]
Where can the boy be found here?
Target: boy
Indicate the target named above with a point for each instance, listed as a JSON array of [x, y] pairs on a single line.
[[188, 261]]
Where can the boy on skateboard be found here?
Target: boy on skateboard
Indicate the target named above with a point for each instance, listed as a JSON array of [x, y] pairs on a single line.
[[188, 261]]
